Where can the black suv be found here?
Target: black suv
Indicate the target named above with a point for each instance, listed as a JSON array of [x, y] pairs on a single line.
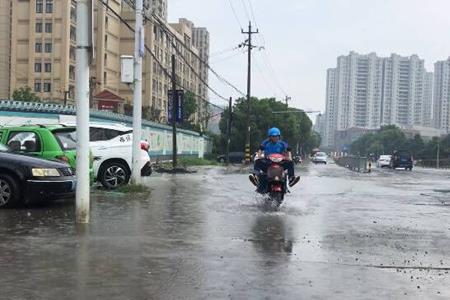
[[402, 159]]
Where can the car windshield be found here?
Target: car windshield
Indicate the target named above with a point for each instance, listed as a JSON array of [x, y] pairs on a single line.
[[320, 154], [66, 139]]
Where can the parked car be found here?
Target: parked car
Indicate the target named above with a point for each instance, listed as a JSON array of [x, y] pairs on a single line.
[[320, 158], [235, 158], [24, 179], [112, 148], [402, 159], [384, 161], [51, 142], [48, 142]]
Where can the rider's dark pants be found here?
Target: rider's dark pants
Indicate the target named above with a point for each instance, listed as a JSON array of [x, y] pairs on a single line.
[[263, 165]]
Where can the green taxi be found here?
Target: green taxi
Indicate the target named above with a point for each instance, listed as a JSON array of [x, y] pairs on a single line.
[[52, 142]]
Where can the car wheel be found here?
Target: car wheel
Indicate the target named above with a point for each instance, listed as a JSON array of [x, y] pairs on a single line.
[[9, 191], [114, 174]]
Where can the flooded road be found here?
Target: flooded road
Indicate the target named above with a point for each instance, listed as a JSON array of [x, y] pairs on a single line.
[[339, 235]]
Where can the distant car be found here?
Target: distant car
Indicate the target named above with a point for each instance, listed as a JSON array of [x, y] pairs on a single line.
[[320, 158], [235, 158], [384, 161], [402, 159], [25, 179]]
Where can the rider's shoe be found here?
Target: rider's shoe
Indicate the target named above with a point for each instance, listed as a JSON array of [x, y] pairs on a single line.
[[294, 180], [253, 179]]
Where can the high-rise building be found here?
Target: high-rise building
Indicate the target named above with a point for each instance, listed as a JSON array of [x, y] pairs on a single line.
[[427, 105], [5, 49], [403, 90], [330, 110], [200, 39], [441, 98], [367, 91], [38, 39]]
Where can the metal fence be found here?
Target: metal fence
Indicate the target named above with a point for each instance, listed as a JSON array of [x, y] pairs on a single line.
[[354, 163], [432, 163]]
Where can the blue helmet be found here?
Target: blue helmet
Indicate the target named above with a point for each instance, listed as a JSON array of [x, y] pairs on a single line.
[[274, 132]]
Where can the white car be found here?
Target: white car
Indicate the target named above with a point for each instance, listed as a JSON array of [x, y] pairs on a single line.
[[384, 161], [111, 147], [320, 158]]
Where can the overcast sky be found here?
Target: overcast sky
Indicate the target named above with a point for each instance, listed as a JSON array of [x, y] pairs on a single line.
[[304, 37]]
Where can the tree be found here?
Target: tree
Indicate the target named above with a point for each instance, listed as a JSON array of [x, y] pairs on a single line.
[[189, 109], [25, 94], [296, 127]]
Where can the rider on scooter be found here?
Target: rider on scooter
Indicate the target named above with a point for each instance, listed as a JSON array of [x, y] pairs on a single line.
[[270, 146]]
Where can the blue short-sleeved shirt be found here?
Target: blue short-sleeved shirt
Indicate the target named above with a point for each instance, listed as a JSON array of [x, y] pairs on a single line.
[[270, 148]]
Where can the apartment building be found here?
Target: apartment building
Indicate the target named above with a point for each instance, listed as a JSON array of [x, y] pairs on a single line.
[[38, 40], [427, 105], [200, 40], [5, 49], [156, 70], [367, 91], [441, 99], [330, 121], [403, 91]]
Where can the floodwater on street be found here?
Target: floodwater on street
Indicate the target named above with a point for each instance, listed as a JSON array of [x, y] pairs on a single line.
[[339, 235]]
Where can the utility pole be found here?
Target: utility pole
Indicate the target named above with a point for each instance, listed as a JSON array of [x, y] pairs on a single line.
[[82, 100], [249, 79], [230, 117], [438, 154], [137, 93], [287, 99], [174, 113]]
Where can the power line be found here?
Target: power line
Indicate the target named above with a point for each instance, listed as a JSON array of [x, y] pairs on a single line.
[[122, 20], [220, 77], [245, 9], [168, 31], [266, 58], [235, 14], [192, 68]]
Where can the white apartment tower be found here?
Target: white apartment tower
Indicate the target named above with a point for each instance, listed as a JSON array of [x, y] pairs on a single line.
[[200, 40], [427, 106], [367, 91], [403, 91], [358, 88], [441, 105], [330, 110]]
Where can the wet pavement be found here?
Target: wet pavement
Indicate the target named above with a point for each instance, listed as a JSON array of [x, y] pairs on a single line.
[[339, 235]]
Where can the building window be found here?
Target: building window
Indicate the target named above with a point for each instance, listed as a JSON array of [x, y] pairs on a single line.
[[49, 6], [37, 67], [48, 27], [37, 87], [38, 27], [106, 22], [48, 47], [47, 87], [105, 78], [39, 6], [48, 67], [38, 47]]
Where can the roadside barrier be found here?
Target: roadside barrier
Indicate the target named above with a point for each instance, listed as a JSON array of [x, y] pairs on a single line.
[[355, 163]]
